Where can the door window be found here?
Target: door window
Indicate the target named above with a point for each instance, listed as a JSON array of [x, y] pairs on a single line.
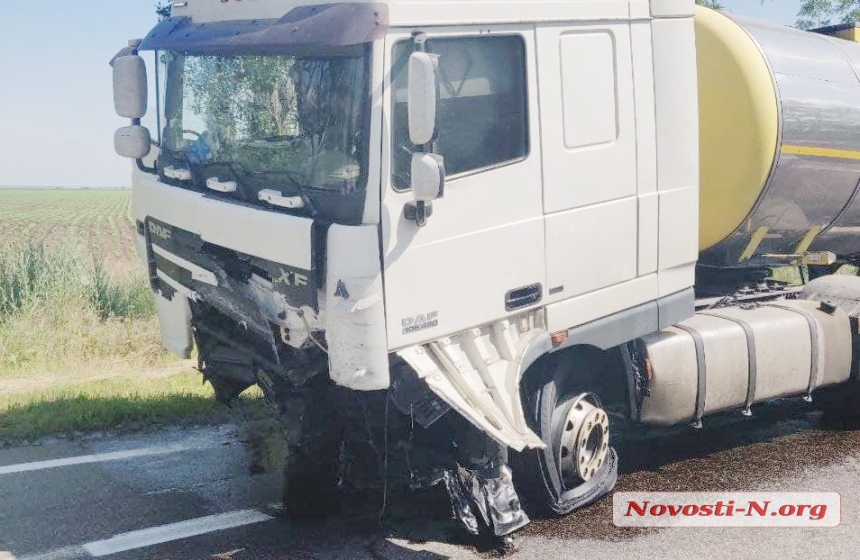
[[483, 119]]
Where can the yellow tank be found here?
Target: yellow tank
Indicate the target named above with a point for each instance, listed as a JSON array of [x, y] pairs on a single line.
[[739, 125], [780, 141]]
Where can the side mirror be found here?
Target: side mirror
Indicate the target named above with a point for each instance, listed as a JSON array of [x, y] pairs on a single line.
[[129, 86], [428, 177], [132, 141], [428, 184], [422, 97]]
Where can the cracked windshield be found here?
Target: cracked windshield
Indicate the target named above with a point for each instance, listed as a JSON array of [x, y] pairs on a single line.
[[292, 124]]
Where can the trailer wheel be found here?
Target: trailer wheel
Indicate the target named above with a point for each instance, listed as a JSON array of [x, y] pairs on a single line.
[[579, 464]]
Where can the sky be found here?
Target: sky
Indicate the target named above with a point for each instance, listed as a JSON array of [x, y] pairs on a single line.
[[56, 106], [56, 102]]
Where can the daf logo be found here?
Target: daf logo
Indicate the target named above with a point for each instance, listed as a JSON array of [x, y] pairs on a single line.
[[291, 278], [159, 231], [420, 322]]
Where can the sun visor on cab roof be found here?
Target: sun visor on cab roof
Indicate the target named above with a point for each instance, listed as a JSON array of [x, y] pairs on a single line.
[[321, 26]]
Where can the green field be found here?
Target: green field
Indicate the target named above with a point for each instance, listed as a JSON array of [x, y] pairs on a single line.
[[98, 221], [79, 343]]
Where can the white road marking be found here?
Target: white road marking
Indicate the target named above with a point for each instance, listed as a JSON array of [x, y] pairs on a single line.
[[67, 553], [96, 458], [174, 531], [152, 536]]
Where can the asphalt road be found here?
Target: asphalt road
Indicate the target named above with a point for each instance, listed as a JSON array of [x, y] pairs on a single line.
[[206, 493]]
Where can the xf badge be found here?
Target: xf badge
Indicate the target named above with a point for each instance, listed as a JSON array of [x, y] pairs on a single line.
[[291, 278]]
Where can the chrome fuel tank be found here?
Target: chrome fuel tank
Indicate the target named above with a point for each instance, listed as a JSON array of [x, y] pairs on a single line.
[[731, 358], [780, 130]]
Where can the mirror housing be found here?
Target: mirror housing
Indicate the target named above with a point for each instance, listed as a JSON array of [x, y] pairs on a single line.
[[132, 141], [129, 86], [428, 177], [428, 184], [422, 97]]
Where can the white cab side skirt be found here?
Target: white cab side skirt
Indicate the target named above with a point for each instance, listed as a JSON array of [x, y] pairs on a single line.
[[478, 373]]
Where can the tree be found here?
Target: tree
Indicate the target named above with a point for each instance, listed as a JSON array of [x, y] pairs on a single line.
[[715, 4], [820, 13], [163, 9]]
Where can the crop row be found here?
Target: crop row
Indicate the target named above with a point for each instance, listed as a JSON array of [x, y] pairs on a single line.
[[96, 220]]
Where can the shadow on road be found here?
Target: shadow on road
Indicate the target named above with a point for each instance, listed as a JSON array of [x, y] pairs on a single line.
[[731, 453]]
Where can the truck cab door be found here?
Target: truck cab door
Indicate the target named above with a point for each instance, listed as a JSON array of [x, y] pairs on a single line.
[[600, 170], [480, 256]]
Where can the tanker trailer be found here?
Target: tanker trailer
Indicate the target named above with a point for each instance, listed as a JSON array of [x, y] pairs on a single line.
[[780, 144], [779, 171]]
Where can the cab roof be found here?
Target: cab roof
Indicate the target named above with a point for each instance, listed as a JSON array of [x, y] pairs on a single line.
[[413, 13]]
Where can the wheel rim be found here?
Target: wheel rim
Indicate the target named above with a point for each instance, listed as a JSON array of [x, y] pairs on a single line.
[[581, 430]]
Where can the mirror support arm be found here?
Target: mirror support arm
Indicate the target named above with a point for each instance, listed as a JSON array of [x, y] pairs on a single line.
[[419, 39], [418, 211]]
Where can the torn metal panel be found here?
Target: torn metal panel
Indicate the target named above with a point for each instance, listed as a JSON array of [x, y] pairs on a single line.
[[412, 397], [478, 373], [492, 502]]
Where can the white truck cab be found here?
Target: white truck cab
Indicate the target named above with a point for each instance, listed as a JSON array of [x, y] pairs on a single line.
[[437, 199]]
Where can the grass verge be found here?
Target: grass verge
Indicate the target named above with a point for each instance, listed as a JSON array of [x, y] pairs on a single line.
[[80, 351], [120, 404]]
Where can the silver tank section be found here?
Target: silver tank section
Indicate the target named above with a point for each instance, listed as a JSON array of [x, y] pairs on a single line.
[[810, 202]]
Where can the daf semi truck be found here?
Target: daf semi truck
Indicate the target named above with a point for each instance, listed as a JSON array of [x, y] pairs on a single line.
[[506, 227]]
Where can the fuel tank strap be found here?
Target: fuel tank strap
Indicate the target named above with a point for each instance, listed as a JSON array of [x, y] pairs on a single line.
[[814, 339], [751, 353], [855, 337], [702, 372]]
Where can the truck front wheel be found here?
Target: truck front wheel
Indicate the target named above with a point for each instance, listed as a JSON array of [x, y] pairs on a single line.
[[579, 465]]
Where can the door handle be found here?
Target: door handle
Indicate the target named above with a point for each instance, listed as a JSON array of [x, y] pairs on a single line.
[[180, 174], [523, 297], [221, 186], [275, 198]]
